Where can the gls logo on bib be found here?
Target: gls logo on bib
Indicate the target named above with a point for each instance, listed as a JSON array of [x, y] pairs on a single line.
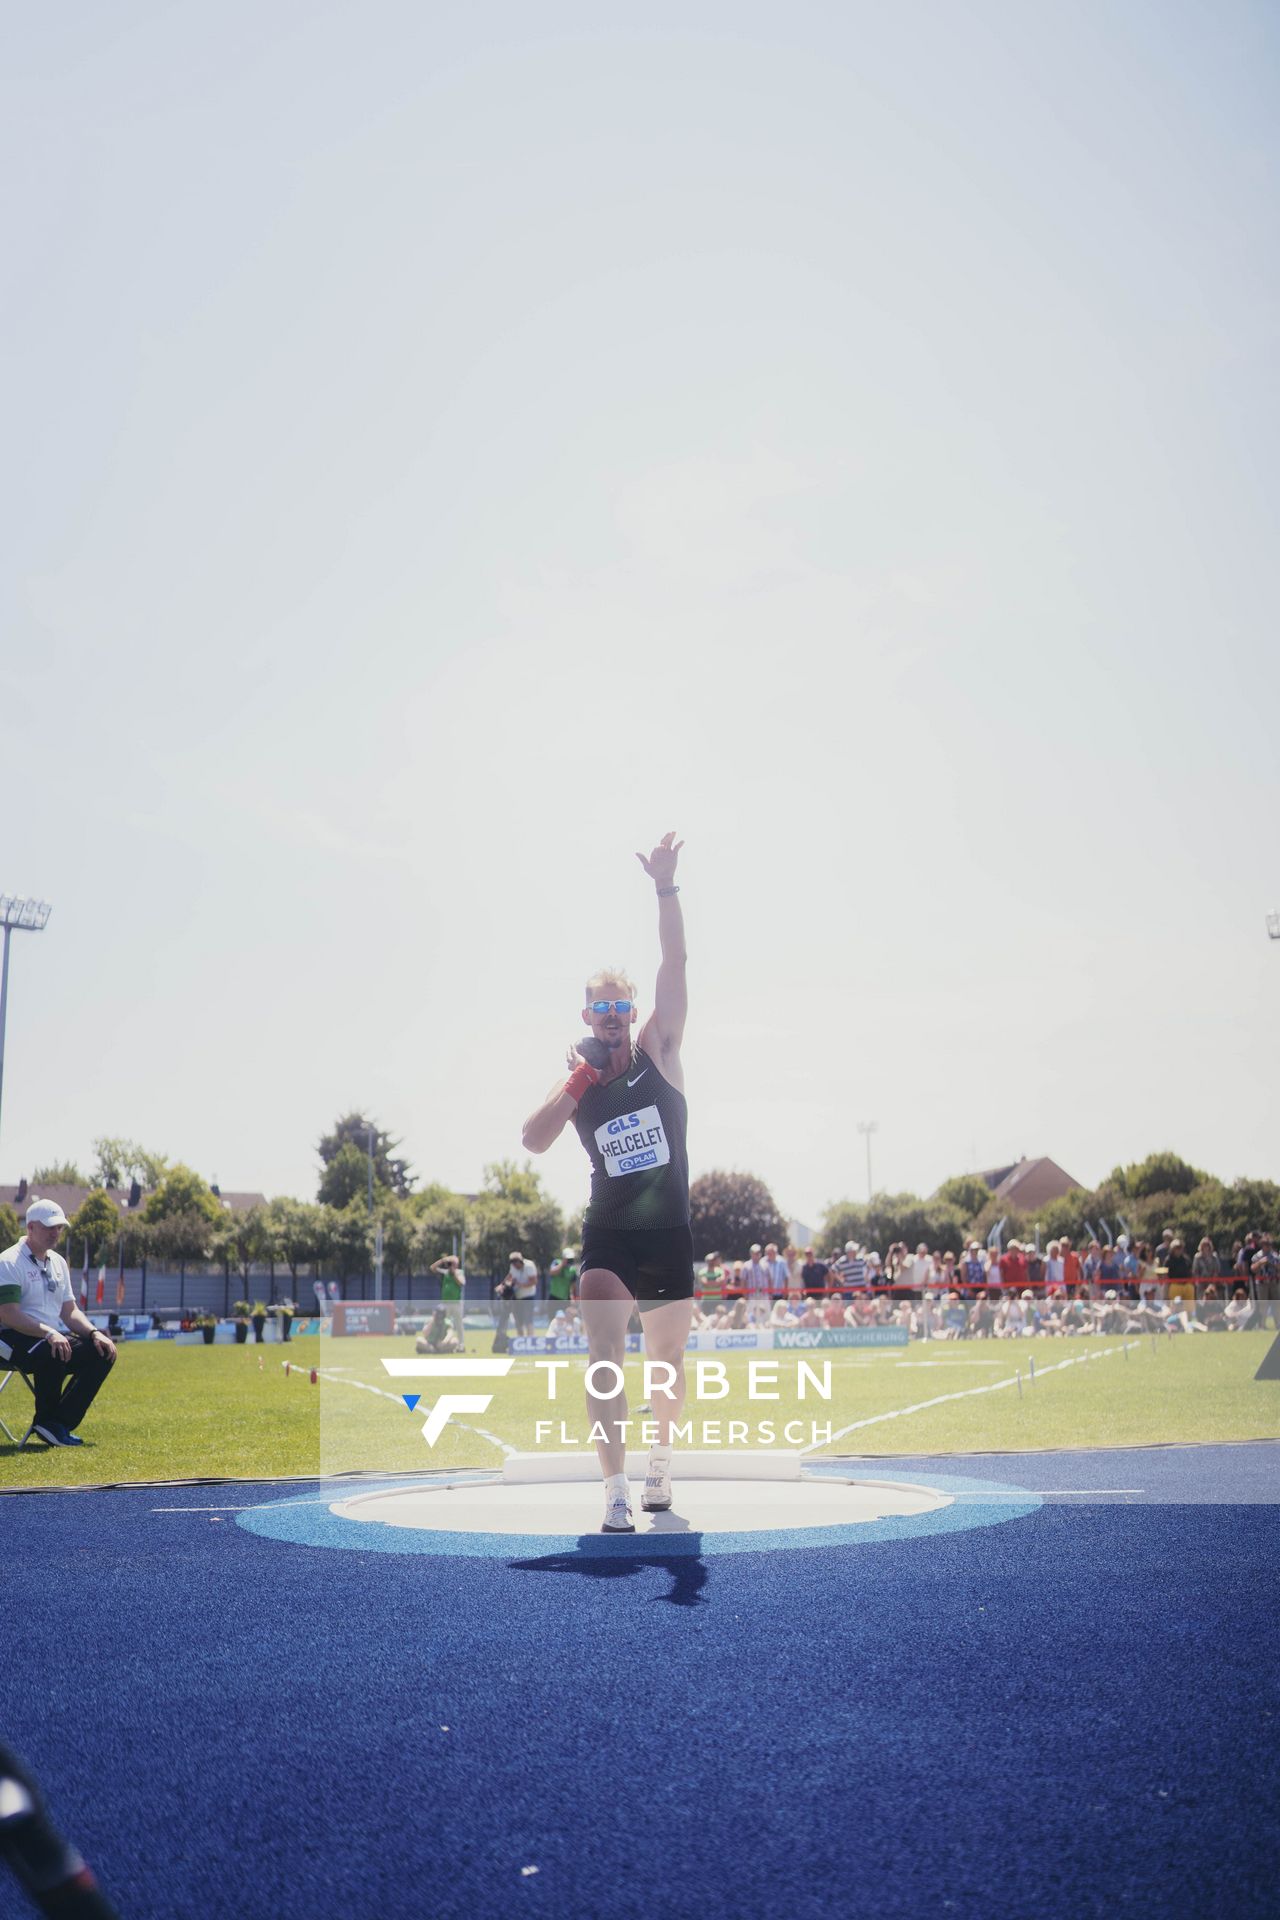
[[633, 1141]]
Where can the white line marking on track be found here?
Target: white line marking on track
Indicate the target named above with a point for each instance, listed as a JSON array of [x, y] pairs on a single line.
[[965, 1393], [250, 1506]]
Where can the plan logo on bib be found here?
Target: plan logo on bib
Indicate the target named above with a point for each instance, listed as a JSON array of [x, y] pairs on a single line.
[[633, 1141]]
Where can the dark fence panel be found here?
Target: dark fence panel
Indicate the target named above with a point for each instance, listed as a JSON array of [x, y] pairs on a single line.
[[208, 1290]]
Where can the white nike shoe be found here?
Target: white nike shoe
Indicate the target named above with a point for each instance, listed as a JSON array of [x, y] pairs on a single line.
[[617, 1514], [657, 1487]]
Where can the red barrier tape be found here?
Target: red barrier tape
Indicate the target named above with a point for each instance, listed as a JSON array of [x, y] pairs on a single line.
[[907, 1289]]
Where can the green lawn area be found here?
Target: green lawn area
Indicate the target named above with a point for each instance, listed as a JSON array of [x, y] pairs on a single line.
[[171, 1412]]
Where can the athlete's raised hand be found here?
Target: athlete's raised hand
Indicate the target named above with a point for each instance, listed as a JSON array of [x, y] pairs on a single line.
[[661, 863]]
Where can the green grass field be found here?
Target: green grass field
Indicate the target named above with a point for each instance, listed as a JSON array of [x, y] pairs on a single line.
[[172, 1412]]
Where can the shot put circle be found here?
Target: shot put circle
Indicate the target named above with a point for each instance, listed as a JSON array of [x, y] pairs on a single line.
[[481, 1515]]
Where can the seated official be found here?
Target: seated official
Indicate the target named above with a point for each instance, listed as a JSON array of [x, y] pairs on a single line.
[[45, 1332]]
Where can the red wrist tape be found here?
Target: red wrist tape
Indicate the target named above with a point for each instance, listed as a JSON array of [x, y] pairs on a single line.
[[579, 1080]]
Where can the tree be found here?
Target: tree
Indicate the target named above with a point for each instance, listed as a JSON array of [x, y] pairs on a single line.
[[1017, 1225], [59, 1173], [300, 1231], [346, 1179], [119, 1161], [1244, 1206], [1194, 1214], [499, 1225], [182, 1191], [1146, 1218], [10, 1226], [245, 1240], [729, 1212], [890, 1217], [352, 1130], [521, 1184], [513, 1211], [968, 1193], [137, 1239], [98, 1221], [434, 1194], [348, 1240], [1165, 1173], [1065, 1216], [441, 1226], [398, 1238], [184, 1234]]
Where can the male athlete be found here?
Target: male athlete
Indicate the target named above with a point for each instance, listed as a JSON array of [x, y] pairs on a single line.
[[627, 1103]]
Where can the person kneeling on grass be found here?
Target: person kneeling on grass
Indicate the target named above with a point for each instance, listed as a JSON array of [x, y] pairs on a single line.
[[438, 1336], [44, 1333]]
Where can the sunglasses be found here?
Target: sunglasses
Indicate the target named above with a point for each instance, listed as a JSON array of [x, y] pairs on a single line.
[[611, 1006]]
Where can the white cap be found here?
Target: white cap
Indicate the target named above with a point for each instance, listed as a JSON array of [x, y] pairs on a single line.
[[46, 1213], [566, 1253]]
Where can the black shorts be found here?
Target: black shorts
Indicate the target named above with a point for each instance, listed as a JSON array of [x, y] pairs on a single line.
[[653, 1263]]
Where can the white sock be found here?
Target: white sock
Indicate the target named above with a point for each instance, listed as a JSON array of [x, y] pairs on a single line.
[[661, 1456], [615, 1486]]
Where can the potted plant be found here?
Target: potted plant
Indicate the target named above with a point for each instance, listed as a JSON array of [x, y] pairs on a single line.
[[259, 1319], [208, 1327], [287, 1309], [240, 1309]]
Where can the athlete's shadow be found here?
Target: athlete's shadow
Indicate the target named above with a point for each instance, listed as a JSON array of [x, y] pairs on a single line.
[[602, 1556]]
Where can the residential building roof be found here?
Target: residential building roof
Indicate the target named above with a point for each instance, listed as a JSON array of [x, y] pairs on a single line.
[[1029, 1183], [71, 1199]]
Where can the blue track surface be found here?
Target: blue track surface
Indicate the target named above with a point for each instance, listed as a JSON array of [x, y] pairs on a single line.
[[1070, 1713]]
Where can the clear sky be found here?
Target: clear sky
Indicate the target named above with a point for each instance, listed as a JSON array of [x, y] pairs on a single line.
[[447, 446]]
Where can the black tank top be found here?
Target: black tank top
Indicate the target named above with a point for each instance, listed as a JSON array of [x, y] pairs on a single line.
[[634, 1132]]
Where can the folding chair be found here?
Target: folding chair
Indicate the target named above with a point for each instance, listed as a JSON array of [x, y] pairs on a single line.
[[12, 1372]]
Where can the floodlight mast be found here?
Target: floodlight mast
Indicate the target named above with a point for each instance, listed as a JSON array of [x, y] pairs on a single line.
[[867, 1128], [24, 916]]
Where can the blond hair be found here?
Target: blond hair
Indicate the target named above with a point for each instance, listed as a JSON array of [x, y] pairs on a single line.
[[610, 977]]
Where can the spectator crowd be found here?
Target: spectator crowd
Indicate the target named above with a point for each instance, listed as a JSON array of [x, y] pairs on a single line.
[[981, 1293], [986, 1292]]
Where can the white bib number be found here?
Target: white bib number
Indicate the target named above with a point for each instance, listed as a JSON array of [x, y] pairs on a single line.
[[633, 1141]]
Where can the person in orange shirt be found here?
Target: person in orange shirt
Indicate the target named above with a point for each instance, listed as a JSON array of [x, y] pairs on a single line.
[[1072, 1273]]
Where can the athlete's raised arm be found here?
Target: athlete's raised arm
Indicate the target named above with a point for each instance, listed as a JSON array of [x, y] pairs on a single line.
[[664, 1029]]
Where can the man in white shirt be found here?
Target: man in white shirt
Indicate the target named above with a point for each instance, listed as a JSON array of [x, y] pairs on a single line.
[[519, 1291], [43, 1331], [778, 1271], [755, 1279], [524, 1275]]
